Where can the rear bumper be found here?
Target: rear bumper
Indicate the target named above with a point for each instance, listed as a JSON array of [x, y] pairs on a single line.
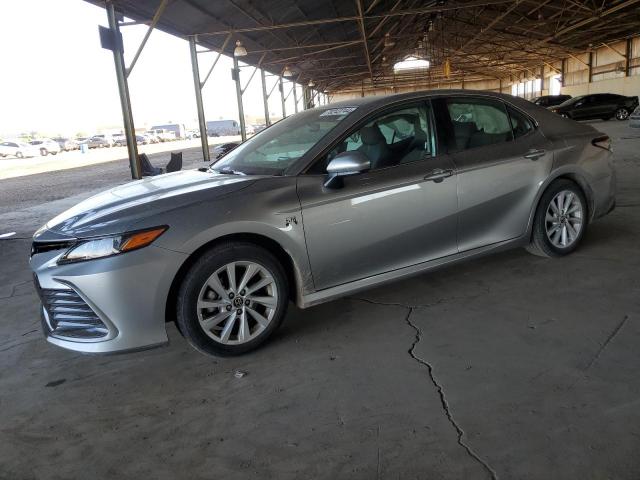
[[127, 293]]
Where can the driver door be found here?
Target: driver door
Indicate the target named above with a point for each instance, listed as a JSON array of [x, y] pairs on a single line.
[[400, 213]]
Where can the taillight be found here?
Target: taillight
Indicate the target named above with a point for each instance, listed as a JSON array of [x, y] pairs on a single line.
[[603, 142]]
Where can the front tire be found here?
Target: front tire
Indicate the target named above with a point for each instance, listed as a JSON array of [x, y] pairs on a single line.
[[232, 299], [560, 221], [44, 152]]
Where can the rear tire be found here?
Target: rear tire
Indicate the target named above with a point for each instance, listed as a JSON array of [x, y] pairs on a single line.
[[44, 152], [560, 221], [221, 307], [19, 155], [622, 114]]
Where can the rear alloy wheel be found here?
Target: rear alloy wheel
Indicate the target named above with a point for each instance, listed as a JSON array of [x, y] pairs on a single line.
[[44, 152], [232, 299], [560, 221], [564, 115], [19, 155], [622, 114]]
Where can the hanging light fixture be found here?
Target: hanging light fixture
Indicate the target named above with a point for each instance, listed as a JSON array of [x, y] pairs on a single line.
[[311, 83], [287, 72], [385, 62], [388, 41], [239, 51]]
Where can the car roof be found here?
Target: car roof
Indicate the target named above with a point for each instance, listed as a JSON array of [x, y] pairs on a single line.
[[374, 102]]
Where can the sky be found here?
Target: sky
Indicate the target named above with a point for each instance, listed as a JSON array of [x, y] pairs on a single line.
[[55, 78]]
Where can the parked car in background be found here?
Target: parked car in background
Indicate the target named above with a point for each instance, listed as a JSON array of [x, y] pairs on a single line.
[[324, 203], [634, 118], [108, 139], [97, 141], [152, 136], [177, 128], [597, 105], [18, 149], [161, 135], [218, 128], [119, 140], [46, 146], [550, 100], [193, 134], [67, 144]]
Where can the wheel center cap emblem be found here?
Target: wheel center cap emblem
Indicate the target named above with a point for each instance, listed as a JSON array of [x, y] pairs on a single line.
[[238, 302]]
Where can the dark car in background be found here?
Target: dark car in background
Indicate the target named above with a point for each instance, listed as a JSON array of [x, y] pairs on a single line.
[[550, 100], [597, 105]]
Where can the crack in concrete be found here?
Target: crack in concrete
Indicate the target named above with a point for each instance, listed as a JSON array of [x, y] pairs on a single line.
[[443, 399], [13, 290], [611, 336]]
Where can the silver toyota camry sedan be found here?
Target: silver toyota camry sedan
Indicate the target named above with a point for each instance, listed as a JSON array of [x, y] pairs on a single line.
[[320, 205]]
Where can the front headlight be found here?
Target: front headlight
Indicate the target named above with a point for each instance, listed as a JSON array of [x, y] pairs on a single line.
[[112, 245]]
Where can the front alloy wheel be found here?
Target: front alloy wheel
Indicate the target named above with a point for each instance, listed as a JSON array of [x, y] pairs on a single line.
[[237, 302], [232, 299]]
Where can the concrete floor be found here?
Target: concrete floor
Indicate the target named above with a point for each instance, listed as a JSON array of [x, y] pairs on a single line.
[[511, 366]]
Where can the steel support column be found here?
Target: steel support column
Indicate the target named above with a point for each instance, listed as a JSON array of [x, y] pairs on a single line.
[[236, 69], [265, 98], [125, 101], [627, 58], [590, 66], [284, 109], [295, 97], [198, 87]]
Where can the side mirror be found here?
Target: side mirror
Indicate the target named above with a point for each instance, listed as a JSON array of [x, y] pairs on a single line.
[[345, 163]]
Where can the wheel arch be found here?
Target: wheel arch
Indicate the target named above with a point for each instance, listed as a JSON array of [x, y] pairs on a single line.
[[566, 174], [294, 276]]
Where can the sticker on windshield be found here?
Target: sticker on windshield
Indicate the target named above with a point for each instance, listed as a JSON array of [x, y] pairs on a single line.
[[336, 112]]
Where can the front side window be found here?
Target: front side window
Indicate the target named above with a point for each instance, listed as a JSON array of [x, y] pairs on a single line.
[[278, 147], [401, 136], [478, 122]]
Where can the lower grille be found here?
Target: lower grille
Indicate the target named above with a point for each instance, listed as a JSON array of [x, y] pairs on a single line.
[[68, 315]]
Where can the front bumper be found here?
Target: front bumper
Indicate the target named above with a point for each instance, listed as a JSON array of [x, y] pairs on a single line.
[[124, 296]]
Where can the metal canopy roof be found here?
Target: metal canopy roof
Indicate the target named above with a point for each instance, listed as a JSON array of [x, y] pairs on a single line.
[[339, 43]]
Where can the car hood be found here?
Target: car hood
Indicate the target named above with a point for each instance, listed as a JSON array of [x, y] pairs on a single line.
[[114, 210]]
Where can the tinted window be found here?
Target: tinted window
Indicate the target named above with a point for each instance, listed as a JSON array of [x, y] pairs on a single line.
[[520, 122], [393, 138], [478, 122]]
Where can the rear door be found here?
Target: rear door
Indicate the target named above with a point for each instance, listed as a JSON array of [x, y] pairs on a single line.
[[501, 158], [400, 213]]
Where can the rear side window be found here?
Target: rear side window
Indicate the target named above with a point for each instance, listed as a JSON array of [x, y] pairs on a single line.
[[519, 122], [478, 122]]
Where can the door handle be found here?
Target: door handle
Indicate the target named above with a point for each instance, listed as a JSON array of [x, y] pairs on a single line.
[[438, 175], [534, 154]]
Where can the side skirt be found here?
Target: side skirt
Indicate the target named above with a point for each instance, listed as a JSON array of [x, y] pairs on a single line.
[[338, 291]]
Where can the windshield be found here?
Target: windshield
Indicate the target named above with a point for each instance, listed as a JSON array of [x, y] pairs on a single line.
[[275, 149]]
